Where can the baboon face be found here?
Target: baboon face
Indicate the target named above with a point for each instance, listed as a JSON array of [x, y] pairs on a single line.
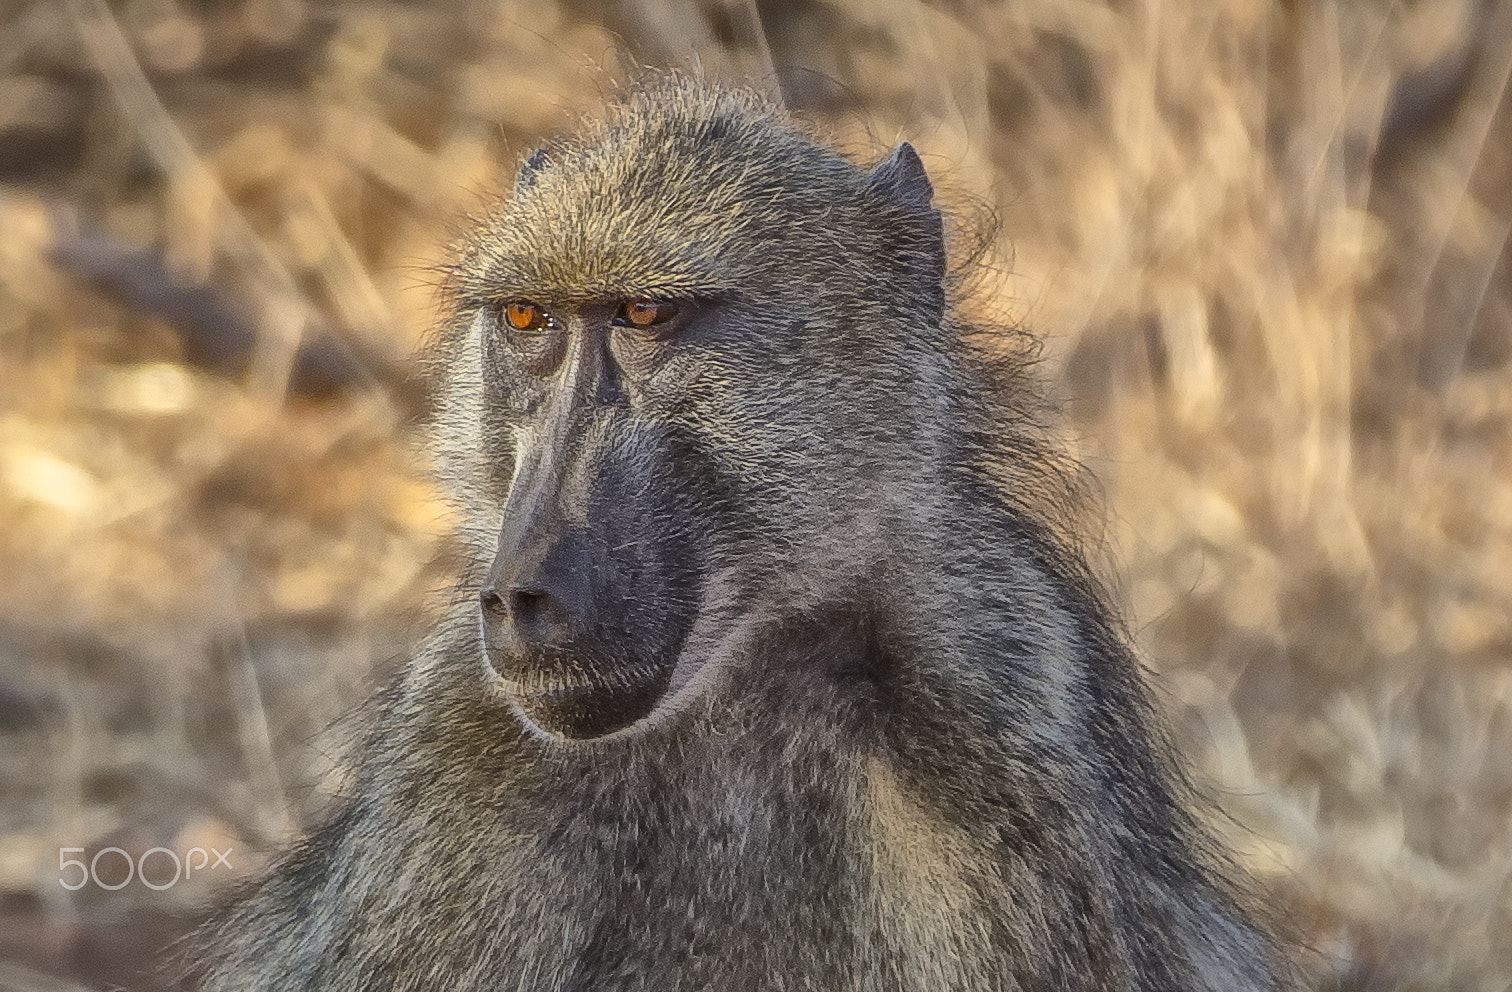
[[698, 369], [597, 574]]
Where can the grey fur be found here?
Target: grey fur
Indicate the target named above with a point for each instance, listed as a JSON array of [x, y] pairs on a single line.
[[906, 745]]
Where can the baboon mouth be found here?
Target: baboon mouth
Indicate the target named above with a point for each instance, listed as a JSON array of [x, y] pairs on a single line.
[[580, 707]]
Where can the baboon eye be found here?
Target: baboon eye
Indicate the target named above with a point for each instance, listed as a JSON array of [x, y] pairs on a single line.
[[642, 314], [523, 316], [531, 334]]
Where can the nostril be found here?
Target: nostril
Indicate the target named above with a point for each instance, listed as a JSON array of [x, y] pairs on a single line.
[[537, 614], [492, 604], [528, 604]]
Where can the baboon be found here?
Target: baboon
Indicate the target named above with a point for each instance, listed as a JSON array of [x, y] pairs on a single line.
[[779, 668]]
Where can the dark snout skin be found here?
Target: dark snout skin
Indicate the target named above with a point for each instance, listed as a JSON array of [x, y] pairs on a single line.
[[541, 595], [594, 583]]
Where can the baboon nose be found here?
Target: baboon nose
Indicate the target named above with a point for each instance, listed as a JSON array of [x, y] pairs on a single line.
[[538, 617], [530, 617], [537, 597]]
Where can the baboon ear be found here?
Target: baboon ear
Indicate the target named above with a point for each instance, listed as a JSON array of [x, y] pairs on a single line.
[[530, 169], [901, 176]]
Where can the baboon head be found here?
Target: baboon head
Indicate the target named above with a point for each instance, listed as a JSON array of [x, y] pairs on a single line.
[[705, 355]]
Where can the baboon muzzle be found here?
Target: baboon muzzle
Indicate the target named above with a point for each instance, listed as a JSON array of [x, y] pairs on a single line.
[[594, 583]]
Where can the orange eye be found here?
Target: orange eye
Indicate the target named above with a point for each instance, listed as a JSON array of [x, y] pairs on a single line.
[[646, 313], [524, 316]]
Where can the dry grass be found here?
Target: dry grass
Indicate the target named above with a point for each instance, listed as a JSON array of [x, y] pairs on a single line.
[[1266, 244]]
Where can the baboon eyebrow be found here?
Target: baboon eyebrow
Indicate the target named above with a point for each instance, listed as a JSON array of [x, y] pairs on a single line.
[[576, 273], [489, 294], [492, 283]]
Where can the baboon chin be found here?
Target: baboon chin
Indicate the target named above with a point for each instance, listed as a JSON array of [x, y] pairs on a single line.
[[777, 529]]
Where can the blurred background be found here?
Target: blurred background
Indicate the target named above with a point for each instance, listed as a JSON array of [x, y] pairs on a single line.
[[1265, 243]]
